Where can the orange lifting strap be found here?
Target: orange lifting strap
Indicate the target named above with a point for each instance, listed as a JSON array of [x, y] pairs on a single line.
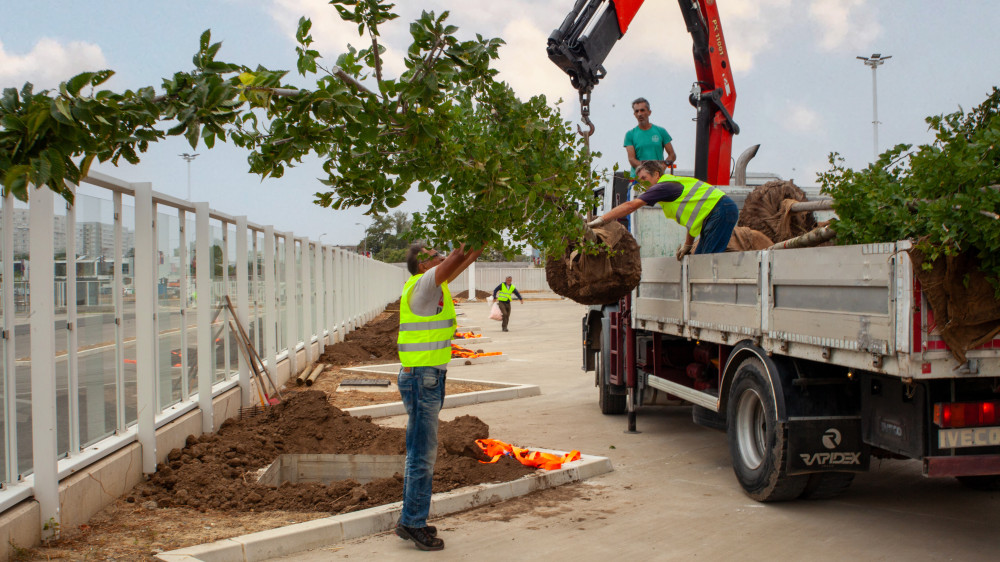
[[466, 353], [536, 459]]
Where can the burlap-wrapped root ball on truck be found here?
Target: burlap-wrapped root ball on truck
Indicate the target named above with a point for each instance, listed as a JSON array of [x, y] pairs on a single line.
[[600, 278]]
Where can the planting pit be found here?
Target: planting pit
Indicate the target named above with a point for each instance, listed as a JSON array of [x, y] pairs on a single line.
[[326, 469]]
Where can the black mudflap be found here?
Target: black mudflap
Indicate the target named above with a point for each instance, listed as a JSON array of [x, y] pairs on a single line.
[[826, 444]]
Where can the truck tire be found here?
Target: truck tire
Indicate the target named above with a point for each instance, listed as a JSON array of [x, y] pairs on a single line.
[[757, 443], [825, 485], [611, 404], [989, 483], [708, 418]]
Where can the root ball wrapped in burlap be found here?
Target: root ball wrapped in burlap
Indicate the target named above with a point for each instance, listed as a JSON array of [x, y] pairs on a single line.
[[767, 211], [597, 279]]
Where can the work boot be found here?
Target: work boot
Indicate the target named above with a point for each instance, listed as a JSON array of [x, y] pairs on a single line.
[[430, 530], [506, 330], [421, 537]]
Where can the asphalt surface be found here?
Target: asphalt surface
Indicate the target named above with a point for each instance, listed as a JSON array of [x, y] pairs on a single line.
[[672, 494]]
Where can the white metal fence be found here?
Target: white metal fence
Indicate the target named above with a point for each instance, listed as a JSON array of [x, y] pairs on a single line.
[[127, 332], [487, 278]]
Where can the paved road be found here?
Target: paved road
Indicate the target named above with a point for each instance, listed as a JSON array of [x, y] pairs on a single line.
[[672, 494]]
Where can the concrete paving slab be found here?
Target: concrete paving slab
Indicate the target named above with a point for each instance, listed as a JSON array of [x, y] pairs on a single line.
[[320, 533]]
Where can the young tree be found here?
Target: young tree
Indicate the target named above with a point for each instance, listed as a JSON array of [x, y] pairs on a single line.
[[945, 195], [498, 170]]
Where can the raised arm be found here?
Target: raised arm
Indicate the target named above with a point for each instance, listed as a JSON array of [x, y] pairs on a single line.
[[455, 264]]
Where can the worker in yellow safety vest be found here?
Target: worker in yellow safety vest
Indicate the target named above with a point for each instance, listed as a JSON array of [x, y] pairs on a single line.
[[503, 294], [703, 209], [426, 326]]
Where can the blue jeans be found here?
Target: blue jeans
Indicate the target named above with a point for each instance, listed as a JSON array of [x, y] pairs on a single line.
[[718, 227], [422, 389]]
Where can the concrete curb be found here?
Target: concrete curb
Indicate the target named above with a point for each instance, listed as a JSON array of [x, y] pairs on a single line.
[[509, 392], [265, 545]]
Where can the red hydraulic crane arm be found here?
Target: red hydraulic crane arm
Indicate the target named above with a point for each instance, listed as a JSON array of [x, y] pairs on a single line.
[[580, 45], [626, 10]]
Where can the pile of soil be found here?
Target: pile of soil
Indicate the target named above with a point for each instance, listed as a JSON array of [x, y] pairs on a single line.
[[766, 211], [597, 279], [480, 294], [218, 471], [374, 342]]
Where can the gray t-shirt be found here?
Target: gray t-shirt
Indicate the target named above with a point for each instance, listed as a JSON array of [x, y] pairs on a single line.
[[427, 299]]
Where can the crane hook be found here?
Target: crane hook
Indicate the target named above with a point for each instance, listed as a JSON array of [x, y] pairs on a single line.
[[585, 116]]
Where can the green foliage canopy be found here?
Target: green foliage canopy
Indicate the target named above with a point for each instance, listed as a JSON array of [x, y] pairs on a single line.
[[499, 171], [945, 195]]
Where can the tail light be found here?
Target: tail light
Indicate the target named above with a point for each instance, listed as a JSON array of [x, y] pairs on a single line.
[[966, 414]]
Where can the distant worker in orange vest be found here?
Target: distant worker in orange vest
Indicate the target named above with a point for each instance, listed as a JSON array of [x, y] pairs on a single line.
[[502, 295]]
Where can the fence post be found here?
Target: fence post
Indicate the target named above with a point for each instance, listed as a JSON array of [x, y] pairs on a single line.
[[270, 302], [73, 340], [306, 309], [331, 318], [41, 287], [243, 304], [291, 306], [185, 299], [9, 356], [472, 281], [145, 324], [117, 288], [340, 294], [203, 287]]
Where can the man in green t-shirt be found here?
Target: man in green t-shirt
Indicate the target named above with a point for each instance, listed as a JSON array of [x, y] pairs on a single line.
[[647, 141]]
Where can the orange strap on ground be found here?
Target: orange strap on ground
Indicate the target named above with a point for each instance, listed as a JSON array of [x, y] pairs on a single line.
[[495, 449], [467, 335], [465, 353]]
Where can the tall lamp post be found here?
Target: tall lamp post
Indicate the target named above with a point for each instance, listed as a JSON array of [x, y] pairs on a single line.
[[189, 158], [875, 61], [364, 241]]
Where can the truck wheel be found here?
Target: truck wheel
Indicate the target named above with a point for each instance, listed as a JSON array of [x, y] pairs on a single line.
[[756, 442], [824, 485], [989, 483], [708, 418], [611, 404]]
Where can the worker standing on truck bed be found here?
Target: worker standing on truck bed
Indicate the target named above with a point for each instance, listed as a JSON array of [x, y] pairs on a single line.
[[502, 294], [703, 209], [426, 325], [647, 141]]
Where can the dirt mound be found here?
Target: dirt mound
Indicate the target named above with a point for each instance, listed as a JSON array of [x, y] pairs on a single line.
[[373, 342], [218, 471], [480, 294], [766, 211], [597, 279]]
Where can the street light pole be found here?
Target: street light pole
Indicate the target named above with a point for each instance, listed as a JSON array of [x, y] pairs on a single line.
[[364, 241], [875, 61], [189, 158]]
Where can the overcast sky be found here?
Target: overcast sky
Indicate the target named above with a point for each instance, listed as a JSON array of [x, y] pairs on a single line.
[[801, 92]]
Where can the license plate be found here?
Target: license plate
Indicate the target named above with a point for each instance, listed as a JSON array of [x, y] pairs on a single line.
[[968, 437]]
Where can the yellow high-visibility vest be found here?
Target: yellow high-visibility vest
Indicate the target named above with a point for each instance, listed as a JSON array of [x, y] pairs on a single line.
[[425, 341], [695, 203], [505, 292]]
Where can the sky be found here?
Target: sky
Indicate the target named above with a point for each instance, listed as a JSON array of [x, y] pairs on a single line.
[[801, 93]]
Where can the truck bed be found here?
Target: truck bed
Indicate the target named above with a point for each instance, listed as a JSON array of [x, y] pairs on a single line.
[[854, 306]]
